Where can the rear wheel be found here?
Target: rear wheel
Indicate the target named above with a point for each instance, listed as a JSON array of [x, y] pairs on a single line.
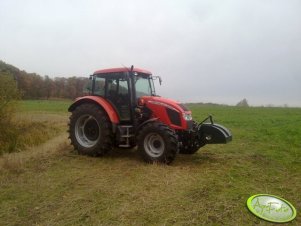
[[157, 143], [90, 130]]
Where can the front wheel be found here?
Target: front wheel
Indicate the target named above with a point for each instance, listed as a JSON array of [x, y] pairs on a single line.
[[157, 143]]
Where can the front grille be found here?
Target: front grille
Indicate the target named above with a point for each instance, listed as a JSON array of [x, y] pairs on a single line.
[[190, 124], [174, 116]]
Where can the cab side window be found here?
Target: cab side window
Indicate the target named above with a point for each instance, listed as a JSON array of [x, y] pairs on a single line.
[[99, 87], [118, 94]]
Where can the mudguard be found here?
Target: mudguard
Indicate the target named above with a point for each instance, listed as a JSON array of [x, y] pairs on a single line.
[[211, 133], [109, 109]]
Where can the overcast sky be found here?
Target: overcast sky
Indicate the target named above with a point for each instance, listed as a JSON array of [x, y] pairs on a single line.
[[205, 50]]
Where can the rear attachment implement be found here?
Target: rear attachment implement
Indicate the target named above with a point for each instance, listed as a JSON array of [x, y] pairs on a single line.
[[211, 133]]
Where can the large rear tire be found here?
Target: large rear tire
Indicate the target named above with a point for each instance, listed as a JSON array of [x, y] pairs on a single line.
[[157, 143], [90, 130]]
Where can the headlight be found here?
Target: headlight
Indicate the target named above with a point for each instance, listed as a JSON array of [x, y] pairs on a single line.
[[187, 116]]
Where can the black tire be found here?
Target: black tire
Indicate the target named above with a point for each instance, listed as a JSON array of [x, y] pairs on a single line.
[[157, 143], [90, 130]]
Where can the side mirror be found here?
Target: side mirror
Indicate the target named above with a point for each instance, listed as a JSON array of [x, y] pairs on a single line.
[[158, 77], [91, 77], [160, 80]]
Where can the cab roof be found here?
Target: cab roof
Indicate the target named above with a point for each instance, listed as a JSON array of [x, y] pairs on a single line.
[[121, 69]]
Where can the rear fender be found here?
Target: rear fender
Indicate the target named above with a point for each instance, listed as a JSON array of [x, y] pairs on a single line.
[[211, 133], [108, 108]]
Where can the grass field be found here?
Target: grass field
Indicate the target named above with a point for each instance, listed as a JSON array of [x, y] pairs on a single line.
[[34, 123], [50, 184], [49, 106]]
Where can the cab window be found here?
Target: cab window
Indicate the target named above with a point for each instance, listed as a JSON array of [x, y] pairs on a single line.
[[99, 86]]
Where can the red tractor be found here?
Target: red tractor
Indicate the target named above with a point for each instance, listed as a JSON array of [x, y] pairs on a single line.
[[122, 109]]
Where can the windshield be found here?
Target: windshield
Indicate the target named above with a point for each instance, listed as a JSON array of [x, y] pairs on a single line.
[[144, 85]]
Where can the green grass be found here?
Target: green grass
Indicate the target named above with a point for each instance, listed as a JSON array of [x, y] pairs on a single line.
[[35, 122], [50, 106], [52, 185]]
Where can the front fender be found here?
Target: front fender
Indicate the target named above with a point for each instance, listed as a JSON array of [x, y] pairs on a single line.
[[144, 123]]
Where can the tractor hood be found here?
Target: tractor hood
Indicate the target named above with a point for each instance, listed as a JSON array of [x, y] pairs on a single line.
[[170, 112], [165, 102]]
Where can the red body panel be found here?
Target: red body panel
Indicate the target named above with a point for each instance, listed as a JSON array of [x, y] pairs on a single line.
[[100, 101], [122, 69], [158, 106]]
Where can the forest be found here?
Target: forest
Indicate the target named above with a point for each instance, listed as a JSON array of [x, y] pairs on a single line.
[[35, 86]]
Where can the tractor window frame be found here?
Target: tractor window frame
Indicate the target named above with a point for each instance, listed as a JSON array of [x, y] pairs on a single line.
[[117, 91], [99, 86], [149, 85]]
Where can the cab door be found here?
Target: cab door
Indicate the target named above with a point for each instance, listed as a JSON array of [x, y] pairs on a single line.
[[117, 92]]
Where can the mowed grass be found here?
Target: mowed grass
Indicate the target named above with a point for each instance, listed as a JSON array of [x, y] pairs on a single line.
[[52, 185]]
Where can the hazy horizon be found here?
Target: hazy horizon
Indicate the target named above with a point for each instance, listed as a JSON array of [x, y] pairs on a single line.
[[205, 51]]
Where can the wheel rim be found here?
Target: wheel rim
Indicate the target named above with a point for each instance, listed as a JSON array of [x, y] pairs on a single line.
[[154, 145], [87, 131]]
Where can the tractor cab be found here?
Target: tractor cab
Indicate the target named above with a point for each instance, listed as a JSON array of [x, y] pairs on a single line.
[[122, 88]]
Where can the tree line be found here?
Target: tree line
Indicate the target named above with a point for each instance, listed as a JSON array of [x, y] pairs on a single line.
[[34, 86]]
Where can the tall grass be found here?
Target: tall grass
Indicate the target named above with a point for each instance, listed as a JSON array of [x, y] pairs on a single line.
[[35, 122], [8, 96]]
